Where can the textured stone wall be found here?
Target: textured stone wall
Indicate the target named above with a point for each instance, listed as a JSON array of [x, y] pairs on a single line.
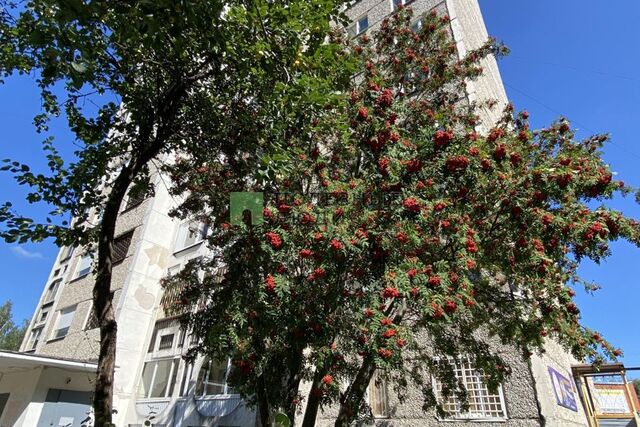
[[557, 358], [78, 343], [468, 31], [519, 398]]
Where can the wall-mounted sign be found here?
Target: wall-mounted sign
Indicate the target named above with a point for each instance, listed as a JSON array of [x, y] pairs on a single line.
[[564, 390], [611, 399]]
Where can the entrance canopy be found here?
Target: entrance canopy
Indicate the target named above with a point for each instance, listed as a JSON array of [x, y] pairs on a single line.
[[11, 362]]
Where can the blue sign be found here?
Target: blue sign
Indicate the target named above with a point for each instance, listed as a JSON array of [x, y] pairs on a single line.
[[564, 390]]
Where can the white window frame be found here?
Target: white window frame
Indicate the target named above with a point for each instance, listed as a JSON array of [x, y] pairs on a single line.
[[84, 271], [43, 310], [468, 416], [34, 338], [185, 381], [356, 28], [155, 355], [52, 291], [67, 253], [394, 5], [182, 233], [67, 311], [225, 387], [171, 387]]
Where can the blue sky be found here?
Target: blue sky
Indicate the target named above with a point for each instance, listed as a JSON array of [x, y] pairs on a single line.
[[579, 59], [568, 57]]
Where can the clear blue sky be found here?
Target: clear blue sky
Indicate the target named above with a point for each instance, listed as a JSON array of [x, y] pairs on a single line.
[[568, 57]]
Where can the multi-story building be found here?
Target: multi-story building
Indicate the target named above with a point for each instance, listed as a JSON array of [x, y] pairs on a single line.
[[49, 383]]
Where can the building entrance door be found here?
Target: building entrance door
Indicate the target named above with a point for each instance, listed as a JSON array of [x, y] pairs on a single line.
[[65, 408]]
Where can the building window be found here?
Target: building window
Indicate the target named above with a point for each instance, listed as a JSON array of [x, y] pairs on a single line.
[[52, 290], [134, 199], [398, 3], [121, 246], [158, 378], [212, 378], [358, 26], [63, 323], [34, 338], [163, 360], [189, 234], [92, 320], [84, 266], [166, 342], [167, 335], [186, 379], [483, 404], [42, 315], [67, 252], [378, 399]]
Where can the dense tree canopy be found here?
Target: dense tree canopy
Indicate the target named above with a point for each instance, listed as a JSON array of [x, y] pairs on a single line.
[[141, 82], [396, 224]]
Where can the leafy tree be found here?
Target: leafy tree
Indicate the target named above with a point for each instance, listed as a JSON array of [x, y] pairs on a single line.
[[141, 83], [636, 385], [11, 335], [396, 233]]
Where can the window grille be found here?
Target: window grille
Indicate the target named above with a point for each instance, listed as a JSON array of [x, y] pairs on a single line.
[[135, 199], [166, 342], [121, 246], [483, 404]]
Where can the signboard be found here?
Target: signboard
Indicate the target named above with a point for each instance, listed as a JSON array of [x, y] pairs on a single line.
[[564, 390], [611, 400]]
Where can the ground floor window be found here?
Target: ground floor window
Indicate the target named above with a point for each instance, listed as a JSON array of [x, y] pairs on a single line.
[[483, 404], [212, 378], [158, 378]]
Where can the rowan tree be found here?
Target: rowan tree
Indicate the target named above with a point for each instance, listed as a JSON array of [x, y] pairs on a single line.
[[398, 225], [138, 84]]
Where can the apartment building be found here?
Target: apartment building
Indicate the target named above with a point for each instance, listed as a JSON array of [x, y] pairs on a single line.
[[50, 382]]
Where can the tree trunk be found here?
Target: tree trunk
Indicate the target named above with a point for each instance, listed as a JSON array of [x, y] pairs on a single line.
[[102, 297], [313, 401], [293, 384], [147, 148], [264, 408], [350, 401]]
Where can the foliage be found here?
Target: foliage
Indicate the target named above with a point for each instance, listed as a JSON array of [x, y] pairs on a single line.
[[142, 83], [396, 226], [11, 335]]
